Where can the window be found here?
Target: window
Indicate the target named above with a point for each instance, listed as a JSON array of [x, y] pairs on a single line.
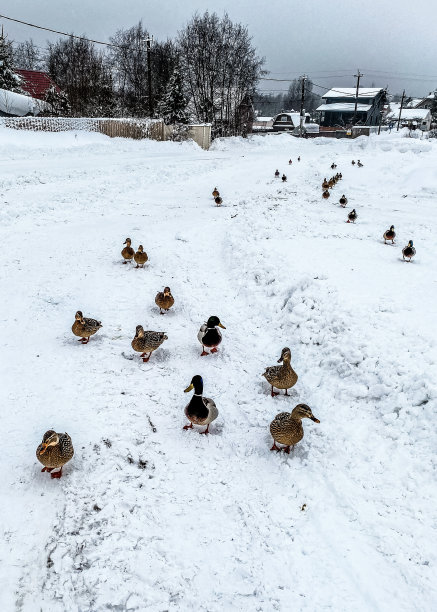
[[284, 118]]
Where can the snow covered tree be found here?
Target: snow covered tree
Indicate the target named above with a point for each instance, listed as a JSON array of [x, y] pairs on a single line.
[[172, 108], [58, 101], [8, 79]]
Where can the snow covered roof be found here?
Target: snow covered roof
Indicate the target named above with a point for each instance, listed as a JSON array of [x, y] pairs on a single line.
[[17, 105], [346, 92], [430, 96], [348, 107], [263, 118], [412, 114]]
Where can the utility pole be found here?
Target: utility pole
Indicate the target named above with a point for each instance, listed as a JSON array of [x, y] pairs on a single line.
[[302, 99], [400, 110], [358, 77], [149, 41]]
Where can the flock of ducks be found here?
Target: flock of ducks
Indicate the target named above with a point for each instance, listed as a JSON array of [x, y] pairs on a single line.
[[56, 449], [408, 252]]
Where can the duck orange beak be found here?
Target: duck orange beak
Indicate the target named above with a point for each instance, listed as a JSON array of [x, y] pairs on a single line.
[[44, 448], [222, 326]]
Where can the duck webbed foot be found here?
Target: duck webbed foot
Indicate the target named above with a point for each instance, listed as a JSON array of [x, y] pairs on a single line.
[[57, 474], [190, 426]]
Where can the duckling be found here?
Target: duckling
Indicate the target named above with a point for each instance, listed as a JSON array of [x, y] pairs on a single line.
[[209, 336], [277, 174], [283, 376], [390, 234], [353, 162], [325, 184], [284, 178], [140, 257], [408, 251], [359, 164], [326, 194], [215, 193], [164, 300], [298, 159], [147, 342], [352, 216], [218, 200], [55, 450], [84, 327], [128, 252], [343, 201], [201, 410], [286, 428], [289, 162], [333, 165]]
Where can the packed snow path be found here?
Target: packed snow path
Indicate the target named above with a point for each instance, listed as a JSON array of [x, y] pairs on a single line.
[[148, 516]]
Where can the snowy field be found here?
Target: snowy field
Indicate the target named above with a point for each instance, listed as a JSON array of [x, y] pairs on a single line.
[[148, 516]]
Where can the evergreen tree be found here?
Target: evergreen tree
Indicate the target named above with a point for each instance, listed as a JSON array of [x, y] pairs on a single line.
[[8, 79], [58, 101], [173, 106]]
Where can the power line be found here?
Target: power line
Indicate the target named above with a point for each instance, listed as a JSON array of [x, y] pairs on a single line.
[[32, 25]]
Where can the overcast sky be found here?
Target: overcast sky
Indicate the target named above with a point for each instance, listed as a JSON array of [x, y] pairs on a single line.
[[393, 42]]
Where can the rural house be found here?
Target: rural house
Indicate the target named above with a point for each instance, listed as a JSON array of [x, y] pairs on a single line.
[[428, 101], [36, 83], [338, 108], [288, 121], [413, 118]]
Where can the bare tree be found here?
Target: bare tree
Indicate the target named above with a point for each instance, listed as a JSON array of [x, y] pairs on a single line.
[[221, 70], [27, 56], [81, 72]]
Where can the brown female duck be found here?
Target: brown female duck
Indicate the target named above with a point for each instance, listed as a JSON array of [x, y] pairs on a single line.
[[164, 300], [55, 450], [147, 342], [140, 257], [286, 428], [128, 252], [84, 327], [283, 376]]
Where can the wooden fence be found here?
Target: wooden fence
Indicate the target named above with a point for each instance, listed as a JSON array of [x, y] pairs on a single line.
[[155, 129]]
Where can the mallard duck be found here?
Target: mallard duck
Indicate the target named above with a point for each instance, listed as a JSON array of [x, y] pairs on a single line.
[[352, 216], [298, 159], [277, 174], [343, 201], [289, 162], [283, 376], [215, 193], [326, 194], [218, 200], [390, 234], [359, 164], [409, 251], [84, 327], [333, 165], [286, 428], [284, 178], [55, 450], [201, 410], [147, 342], [140, 257], [340, 176], [325, 184], [209, 336], [128, 252], [331, 183], [353, 162], [164, 300]]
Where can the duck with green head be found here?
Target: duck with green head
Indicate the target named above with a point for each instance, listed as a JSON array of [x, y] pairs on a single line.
[[201, 410], [409, 251], [209, 335]]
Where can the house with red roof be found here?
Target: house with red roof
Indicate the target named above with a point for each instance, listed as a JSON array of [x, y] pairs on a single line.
[[36, 83]]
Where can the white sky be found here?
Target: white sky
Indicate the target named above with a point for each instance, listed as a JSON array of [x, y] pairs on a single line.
[[393, 42]]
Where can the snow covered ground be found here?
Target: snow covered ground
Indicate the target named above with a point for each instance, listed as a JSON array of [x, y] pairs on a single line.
[[169, 519]]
